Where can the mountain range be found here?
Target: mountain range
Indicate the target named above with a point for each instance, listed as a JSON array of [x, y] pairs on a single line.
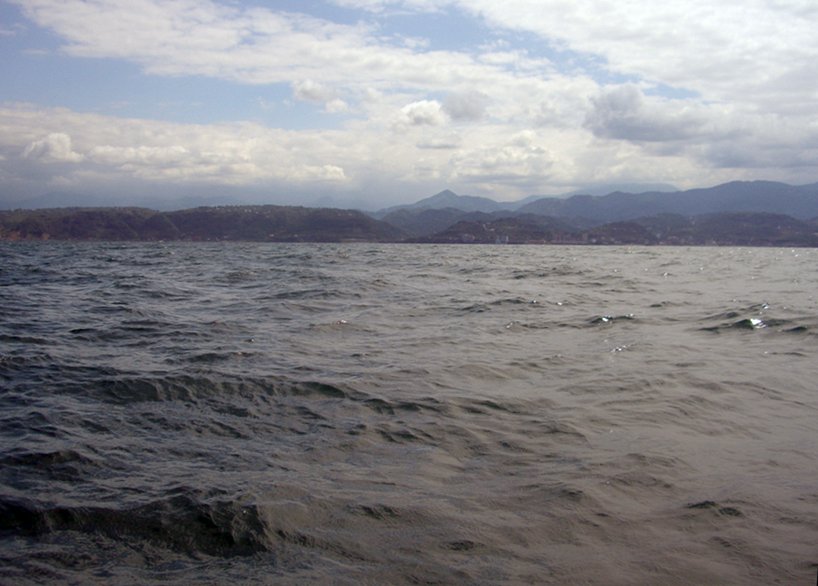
[[800, 202], [758, 213], [471, 203]]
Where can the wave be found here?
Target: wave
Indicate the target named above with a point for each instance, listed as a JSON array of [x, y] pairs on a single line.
[[258, 413], [182, 523], [755, 317]]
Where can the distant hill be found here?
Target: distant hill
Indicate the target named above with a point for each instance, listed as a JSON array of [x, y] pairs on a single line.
[[716, 216], [443, 200], [448, 199], [606, 188], [425, 222], [524, 229], [739, 196], [425, 219], [251, 223], [733, 229]]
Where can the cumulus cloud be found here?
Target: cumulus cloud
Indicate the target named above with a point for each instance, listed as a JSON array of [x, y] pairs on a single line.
[[56, 147], [161, 156], [622, 112], [423, 113], [467, 105], [336, 106], [751, 48], [311, 91], [748, 60], [518, 159], [489, 117], [317, 173], [227, 154]]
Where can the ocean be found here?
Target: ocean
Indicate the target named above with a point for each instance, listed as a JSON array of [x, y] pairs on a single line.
[[254, 413]]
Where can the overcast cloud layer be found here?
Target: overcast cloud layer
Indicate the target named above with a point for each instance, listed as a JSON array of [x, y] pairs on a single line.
[[376, 102]]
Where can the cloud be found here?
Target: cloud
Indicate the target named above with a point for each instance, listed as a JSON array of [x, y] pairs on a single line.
[[323, 62], [444, 142], [743, 51], [710, 136], [399, 6], [731, 51], [311, 91], [623, 112], [122, 156], [561, 92], [423, 113], [54, 148], [317, 173], [336, 106], [519, 159], [144, 150], [248, 45], [468, 105], [749, 63]]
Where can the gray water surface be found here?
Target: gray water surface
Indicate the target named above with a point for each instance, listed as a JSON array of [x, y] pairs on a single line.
[[401, 414]]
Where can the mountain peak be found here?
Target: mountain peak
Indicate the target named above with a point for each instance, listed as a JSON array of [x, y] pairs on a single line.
[[445, 197], [449, 199]]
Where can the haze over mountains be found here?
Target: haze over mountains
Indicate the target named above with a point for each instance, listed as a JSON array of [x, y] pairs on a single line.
[[760, 213], [752, 196], [434, 214], [448, 198]]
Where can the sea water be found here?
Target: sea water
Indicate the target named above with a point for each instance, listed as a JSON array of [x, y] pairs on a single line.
[[178, 413]]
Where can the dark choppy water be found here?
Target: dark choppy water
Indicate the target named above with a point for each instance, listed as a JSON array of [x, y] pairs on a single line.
[[360, 414]]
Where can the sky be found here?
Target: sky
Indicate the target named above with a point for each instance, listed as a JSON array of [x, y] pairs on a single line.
[[372, 103]]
